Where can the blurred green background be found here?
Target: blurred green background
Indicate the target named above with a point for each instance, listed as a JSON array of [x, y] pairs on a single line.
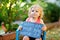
[[17, 10]]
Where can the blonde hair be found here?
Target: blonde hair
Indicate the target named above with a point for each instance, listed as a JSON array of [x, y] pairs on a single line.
[[37, 6]]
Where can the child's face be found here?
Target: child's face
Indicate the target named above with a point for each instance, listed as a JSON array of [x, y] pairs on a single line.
[[35, 12]]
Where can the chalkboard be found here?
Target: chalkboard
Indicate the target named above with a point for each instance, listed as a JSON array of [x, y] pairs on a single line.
[[31, 29]]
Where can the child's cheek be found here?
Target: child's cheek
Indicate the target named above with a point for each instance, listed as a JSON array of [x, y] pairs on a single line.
[[37, 14]]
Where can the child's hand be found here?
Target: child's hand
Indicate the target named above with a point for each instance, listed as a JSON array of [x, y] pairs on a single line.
[[19, 28], [44, 28]]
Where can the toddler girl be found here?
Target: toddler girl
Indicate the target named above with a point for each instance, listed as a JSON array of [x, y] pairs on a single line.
[[35, 15]]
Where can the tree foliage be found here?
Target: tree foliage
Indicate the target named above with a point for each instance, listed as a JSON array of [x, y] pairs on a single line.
[[52, 12]]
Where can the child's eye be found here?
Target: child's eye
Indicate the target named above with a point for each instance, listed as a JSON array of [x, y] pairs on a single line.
[[36, 11], [32, 10]]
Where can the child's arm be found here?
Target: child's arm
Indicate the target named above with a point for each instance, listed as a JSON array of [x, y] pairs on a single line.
[[19, 28], [43, 28]]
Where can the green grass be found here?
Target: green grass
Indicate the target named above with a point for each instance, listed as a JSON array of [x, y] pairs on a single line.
[[53, 34]]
